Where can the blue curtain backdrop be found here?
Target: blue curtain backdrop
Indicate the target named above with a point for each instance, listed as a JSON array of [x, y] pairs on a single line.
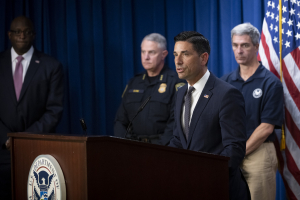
[[98, 43]]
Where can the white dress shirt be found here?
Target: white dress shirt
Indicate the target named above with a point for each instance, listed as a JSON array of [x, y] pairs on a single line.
[[199, 85], [25, 62]]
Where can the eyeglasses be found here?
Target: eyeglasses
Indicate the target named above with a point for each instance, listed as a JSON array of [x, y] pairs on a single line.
[[26, 33]]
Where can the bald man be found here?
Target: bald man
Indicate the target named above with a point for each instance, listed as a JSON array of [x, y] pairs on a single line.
[[31, 90]]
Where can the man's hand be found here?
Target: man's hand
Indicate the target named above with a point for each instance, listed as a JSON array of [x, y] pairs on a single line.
[[7, 144], [259, 135]]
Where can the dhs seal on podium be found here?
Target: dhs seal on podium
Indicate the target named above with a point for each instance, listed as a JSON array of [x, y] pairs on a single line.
[[46, 180]]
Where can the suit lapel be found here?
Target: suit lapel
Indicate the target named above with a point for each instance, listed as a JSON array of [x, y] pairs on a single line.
[[7, 75], [204, 98], [180, 99], [33, 66]]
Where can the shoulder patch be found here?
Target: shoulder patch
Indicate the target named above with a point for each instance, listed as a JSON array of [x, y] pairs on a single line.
[[179, 85]]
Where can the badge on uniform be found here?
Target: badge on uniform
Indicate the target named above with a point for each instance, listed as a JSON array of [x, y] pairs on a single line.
[[179, 85], [162, 88]]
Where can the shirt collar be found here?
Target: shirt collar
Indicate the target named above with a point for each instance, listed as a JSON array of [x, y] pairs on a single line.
[[199, 85], [162, 76], [259, 73], [27, 56]]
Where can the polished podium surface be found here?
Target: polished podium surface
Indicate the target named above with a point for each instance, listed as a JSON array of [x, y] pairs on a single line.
[[105, 167]]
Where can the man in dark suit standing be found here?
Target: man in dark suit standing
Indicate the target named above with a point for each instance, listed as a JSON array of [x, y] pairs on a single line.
[[209, 113], [31, 93]]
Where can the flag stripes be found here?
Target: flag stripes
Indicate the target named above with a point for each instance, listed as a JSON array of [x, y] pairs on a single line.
[[289, 159]]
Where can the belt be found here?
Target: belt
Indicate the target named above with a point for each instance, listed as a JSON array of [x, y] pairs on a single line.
[[268, 141], [144, 138]]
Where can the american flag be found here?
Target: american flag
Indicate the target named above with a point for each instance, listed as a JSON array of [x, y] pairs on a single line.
[[269, 51]]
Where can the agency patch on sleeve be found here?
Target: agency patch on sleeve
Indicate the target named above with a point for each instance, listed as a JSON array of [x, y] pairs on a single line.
[[179, 85]]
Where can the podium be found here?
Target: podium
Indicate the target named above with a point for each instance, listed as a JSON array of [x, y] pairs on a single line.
[[105, 167]]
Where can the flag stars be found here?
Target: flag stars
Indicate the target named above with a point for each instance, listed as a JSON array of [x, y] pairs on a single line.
[[298, 3], [273, 5], [290, 22], [269, 3], [298, 25], [289, 33], [272, 15], [297, 36], [284, 9], [292, 11], [276, 29], [277, 18], [282, 31], [283, 20], [275, 40], [278, 7], [268, 14], [287, 44], [271, 27], [294, 1], [298, 13]]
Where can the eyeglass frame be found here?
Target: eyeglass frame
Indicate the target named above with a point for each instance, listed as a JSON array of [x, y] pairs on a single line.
[[26, 33]]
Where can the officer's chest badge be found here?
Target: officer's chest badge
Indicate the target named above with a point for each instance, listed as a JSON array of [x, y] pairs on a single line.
[[162, 88]]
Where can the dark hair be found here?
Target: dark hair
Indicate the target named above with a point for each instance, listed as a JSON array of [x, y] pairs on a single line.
[[200, 43], [24, 19]]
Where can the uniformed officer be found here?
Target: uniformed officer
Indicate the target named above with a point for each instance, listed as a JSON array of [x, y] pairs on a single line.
[[155, 123]]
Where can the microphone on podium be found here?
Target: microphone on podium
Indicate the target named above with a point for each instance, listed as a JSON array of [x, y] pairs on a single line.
[[83, 125], [139, 110]]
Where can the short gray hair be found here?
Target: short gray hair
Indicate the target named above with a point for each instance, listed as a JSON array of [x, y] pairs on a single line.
[[246, 29], [158, 38]]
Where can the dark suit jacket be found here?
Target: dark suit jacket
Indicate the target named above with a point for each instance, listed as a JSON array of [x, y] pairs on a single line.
[[217, 126], [40, 103]]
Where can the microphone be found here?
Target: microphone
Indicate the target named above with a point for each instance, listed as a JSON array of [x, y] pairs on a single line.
[[139, 110], [83, 125]]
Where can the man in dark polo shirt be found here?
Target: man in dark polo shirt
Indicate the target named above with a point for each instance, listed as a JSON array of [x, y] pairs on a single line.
[[263, 94]]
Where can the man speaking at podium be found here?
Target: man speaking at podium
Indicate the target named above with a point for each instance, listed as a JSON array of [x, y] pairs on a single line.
[[31, 92], [155, 123], [209, 113]]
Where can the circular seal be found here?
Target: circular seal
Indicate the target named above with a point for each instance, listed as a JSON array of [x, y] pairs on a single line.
[[46, 180], [257, 93]]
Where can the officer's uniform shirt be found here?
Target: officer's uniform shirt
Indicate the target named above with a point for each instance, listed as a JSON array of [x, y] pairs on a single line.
[[157, 117], [263, 94]]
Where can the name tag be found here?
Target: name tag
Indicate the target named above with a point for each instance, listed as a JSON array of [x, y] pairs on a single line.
[[136, 91]]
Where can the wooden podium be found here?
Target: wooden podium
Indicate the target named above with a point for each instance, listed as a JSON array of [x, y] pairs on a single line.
[[106, 167]]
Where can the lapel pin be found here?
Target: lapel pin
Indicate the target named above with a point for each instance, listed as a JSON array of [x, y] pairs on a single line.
[[206, 96], [37, 61]]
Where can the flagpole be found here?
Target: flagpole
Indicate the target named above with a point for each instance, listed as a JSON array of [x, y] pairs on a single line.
[[282, 146]]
